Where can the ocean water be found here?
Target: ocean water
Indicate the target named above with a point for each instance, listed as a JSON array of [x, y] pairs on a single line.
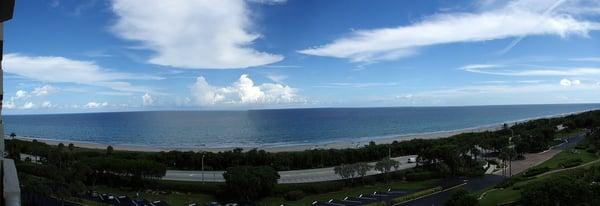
[[268, 128]]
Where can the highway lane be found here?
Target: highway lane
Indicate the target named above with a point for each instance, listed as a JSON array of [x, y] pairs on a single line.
[[287, 177]]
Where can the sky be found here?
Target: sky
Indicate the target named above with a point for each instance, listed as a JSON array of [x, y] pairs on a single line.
[[63, 56]]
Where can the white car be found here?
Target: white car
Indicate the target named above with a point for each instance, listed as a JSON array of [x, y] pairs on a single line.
[[412, 160]]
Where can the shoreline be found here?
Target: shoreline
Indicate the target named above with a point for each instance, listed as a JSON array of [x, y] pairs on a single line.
[[339, 144]]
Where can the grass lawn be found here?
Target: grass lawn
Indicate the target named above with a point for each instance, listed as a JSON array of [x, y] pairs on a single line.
[[554, 162], [354, 191], [500, 196], [513, 193], [563, 134], [171, 198]]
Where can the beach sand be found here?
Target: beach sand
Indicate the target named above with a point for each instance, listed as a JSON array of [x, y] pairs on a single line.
[[332, 145], [287, 148]]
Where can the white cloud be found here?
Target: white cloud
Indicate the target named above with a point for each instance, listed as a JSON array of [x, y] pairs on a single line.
[[21, 94], [147, 100], [192, 34], [44, 90], [242, 92], [95, 105], [509, 90], [205, 94], [568, 83], [587, 59], [64, 70], [28, 105], [497, 70], [9, 104], [47, 104], [513, 19]]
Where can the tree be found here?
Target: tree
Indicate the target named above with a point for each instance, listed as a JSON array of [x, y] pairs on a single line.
[[13, 135], [71, 147], [345, 171], [385, 165], [61, 146], [362, 168], [560, 190], [461, 198], [250, 183], [109, 150]]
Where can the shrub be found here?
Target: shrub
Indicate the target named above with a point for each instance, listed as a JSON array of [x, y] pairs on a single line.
[[571, 162], [462, 198], [421, 175], [535, 171], [592, 149], [294, 195]]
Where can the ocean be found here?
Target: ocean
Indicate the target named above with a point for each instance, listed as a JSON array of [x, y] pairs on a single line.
[[269, 128]]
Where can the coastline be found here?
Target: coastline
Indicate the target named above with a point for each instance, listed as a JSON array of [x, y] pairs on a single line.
[[340, 144]]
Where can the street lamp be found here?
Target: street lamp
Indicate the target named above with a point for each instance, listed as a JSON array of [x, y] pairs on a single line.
[[202, 168]]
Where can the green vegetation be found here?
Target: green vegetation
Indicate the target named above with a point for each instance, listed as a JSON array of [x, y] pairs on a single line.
[[173, 198], [63, 171], [563, 187], [568, 157], [350, 192], [461, 197], [249, 183], [500, 196], [416, 195]]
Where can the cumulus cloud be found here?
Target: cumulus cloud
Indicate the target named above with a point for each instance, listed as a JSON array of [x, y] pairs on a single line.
[[44, 90], [147, 100], [192, 34], [47, 104], [9, 104], [63, 70], [516, 18], [242, 92], [28, 105], [21, 94], [95, 105], [570, 82]]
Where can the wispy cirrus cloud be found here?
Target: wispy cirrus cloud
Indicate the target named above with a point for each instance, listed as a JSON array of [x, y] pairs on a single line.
[[201, 34], [516, 18], [56, 69], [357, 84], [506, 71]]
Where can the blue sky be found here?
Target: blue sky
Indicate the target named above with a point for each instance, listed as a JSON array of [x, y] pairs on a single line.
[[124, 55]]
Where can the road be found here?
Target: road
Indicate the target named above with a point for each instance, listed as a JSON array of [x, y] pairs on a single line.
[[287, 177], [479, 183]]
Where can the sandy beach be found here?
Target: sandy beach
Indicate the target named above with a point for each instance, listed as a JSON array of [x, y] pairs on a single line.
[[286, 148]]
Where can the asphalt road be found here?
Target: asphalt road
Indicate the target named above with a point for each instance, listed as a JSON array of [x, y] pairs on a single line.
[[292, 176]]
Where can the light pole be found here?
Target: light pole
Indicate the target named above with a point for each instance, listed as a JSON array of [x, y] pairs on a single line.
[[511, 148], [202, 168]]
